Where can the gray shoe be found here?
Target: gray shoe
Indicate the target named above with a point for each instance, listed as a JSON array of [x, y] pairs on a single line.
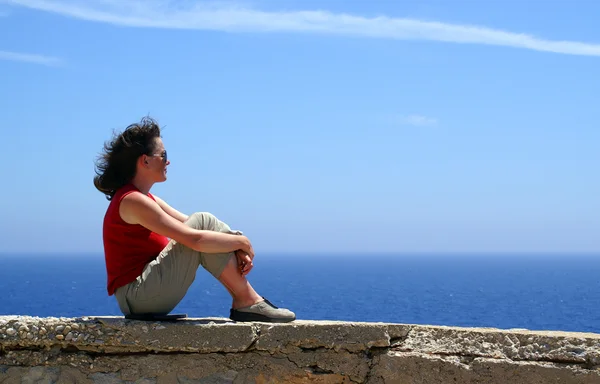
[[263, 311]]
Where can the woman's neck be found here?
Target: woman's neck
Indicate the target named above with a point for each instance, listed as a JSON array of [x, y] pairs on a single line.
[[143, 185]]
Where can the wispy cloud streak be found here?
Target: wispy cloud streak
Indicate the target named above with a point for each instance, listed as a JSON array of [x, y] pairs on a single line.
[[30, 58], [218, 16], [419, 121]]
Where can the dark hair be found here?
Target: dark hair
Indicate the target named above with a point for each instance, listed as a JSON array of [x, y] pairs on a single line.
[[116, 166]]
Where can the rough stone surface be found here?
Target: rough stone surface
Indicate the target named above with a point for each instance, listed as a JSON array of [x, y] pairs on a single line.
[[108, 350]]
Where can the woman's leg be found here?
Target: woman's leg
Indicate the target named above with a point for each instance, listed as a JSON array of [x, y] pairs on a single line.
[[239, 287], [247, 305], [166, 280], [224, 266]]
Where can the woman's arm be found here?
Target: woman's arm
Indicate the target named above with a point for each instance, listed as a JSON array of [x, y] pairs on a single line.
[[137, 208], [170, 210]]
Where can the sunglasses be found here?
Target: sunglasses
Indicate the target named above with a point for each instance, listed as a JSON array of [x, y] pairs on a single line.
[[163, 155]]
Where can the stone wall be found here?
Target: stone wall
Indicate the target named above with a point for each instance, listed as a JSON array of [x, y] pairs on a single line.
[[113, 350]]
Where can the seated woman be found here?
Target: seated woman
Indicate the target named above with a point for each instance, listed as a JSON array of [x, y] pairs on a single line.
[[152, 251]]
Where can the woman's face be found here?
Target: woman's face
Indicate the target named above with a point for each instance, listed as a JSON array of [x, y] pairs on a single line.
[[158, 161]]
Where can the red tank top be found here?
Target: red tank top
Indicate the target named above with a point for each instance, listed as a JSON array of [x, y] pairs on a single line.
[[127, 247]]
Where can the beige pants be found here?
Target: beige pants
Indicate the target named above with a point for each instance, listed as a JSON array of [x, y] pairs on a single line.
[[165, 280]]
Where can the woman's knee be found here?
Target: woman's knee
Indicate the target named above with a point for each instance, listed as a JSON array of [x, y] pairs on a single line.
[[203, 221]]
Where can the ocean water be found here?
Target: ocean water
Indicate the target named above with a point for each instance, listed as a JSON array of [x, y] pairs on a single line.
[[538, 292]]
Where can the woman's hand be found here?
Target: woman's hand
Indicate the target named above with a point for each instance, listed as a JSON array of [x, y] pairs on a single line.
[[244, 262], [247, 247]]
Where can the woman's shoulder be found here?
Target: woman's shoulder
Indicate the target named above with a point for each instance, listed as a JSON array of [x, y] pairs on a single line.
[[134, 199], [125, 190]]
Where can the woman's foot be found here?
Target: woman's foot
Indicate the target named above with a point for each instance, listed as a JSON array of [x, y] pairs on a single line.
[[263, 311], [247, 304], [238, 303]]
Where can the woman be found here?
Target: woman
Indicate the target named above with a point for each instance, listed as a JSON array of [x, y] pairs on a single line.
[[152, 251]]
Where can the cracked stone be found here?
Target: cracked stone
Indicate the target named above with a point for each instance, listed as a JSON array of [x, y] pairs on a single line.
[[200, 350]]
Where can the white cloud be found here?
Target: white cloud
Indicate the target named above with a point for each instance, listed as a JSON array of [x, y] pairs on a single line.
[[30, 58], [222, 16], [419, 121]]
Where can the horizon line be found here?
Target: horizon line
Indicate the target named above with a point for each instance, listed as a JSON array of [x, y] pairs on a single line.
[[340, 253]]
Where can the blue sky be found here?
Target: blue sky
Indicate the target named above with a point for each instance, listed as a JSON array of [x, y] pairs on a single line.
[[312, 126]]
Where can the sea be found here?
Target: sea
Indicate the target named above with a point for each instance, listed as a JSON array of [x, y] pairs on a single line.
[[506, 291]]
